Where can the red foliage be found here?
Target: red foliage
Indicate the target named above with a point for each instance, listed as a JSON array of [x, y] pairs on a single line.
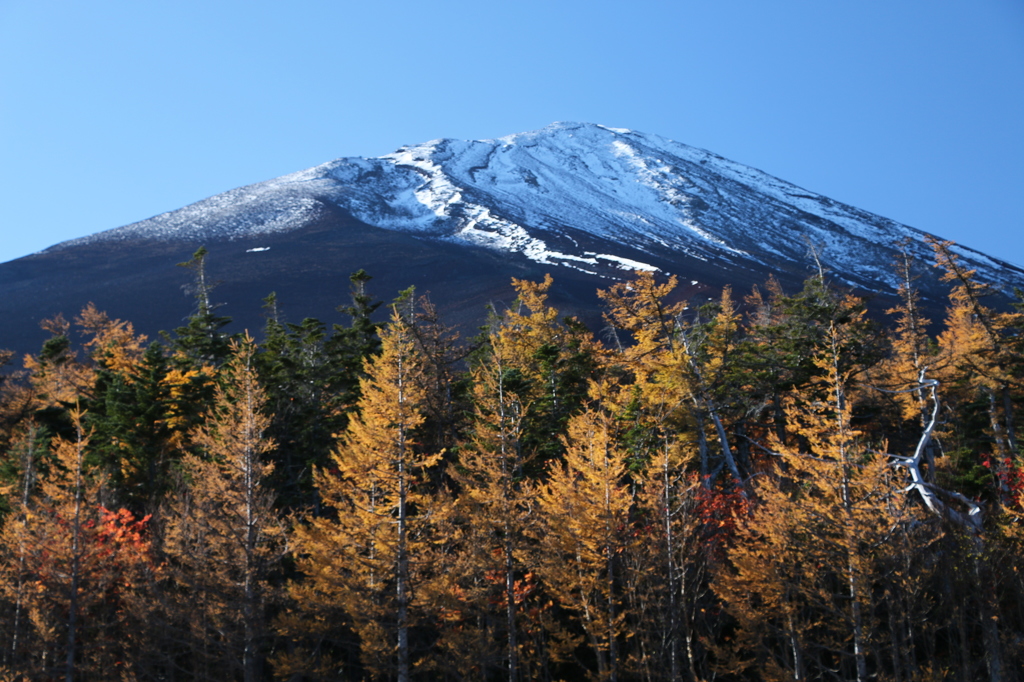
[[718, 512], [1010, 475]]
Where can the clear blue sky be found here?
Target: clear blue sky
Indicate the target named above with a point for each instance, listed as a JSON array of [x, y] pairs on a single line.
[[115, 111]]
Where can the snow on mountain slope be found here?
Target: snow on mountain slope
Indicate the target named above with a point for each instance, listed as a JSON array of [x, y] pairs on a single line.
[[544, 193]]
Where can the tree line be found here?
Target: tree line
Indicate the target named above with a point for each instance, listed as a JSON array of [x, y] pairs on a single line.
[[771, 488]]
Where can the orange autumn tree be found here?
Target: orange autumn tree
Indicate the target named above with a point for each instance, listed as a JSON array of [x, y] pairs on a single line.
[[83, 565], [224, 537], [910, 354], [20, 457], [802, 578], [663, 407], [677, 392], [667, 357], [489, 579], [112, 344], [584, 508], [528, 378], [982, 347], [57, 376], [366, 558]]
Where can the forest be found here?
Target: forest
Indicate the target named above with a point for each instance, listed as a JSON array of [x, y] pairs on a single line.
[[770, 486]]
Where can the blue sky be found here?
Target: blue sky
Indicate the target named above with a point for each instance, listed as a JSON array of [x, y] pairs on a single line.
[[115, 111]]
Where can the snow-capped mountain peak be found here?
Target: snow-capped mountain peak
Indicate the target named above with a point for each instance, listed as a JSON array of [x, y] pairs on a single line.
[[575, 195]]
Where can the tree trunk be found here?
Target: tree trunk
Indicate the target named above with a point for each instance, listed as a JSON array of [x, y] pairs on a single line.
[[510, 609], [402, 582], [29, 465], [1011, 431], [76, 540], [989, 622], [670, 567]]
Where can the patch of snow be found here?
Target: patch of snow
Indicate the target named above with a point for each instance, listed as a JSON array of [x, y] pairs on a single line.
[[628, 264]]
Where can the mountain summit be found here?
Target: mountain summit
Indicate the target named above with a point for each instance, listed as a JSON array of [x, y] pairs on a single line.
[[458, 218], [570, 195]]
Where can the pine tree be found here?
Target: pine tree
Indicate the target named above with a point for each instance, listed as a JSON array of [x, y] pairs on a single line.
[[910, 342], [20, 468], [312, 379], [349, 347], [113, 344], [201, 341], [902, 377], [303, 389]]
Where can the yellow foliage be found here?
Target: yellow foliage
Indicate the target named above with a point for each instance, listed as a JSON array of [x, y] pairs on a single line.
[[359, 558], [585, 510], [113, 343], [183, 385], [72, 566], [223, 532], [60, 379], [802, 568]]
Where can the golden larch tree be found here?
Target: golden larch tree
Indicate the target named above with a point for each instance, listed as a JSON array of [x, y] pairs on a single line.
[[366, 556], [71, 566], [983, 350], [666, 356], [803, 567], [224, 536], [584, 508], [493, 516]]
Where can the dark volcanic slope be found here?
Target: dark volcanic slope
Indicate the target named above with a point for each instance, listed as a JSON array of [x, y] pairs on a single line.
[[308, 268]]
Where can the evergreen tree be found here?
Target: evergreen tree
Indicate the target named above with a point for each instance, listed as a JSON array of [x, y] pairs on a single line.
[[312, 381], [200, 341], [350, 346], [304, 386], [785, 335]]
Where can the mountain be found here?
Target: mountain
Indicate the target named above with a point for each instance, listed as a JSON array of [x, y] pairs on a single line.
[[459, 218]]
